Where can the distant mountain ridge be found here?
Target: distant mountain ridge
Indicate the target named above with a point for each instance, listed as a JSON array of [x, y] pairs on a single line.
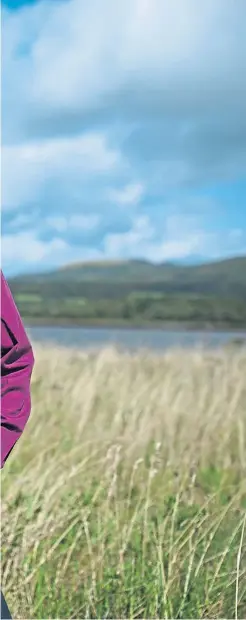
[[116, 279]]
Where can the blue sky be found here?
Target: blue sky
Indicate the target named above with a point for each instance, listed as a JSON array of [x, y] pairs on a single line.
[[123, 131]]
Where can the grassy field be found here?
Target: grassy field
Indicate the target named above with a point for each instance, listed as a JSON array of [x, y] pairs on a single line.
[[126, 495], [136, 309]]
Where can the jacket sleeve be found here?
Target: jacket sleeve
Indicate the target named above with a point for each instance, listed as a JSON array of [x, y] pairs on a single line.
[[17, 362]]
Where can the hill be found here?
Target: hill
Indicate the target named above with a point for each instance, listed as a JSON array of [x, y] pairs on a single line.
[[225, 278], [137, 291]]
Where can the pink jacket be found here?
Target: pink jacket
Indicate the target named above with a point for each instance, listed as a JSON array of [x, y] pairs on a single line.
[[17, 362]]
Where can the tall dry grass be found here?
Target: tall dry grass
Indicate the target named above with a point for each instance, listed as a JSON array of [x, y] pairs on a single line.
[[126, 496]]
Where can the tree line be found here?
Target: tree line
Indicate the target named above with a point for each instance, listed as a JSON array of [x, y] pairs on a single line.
[[136, 308]]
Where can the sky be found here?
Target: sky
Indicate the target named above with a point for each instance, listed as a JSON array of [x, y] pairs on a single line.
[[123, 131]]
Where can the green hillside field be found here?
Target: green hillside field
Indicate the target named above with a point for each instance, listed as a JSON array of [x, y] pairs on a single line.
[[135, 293]]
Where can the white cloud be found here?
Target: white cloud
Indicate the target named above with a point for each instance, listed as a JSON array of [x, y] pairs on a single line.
[[26, 248], [24, 251], [182, 237], [170, 72], [28, 167], [119, 244], [74, 222], [176, 242], [146, 96], [69, 64], [78, 53], [129, 195], [23, 220]]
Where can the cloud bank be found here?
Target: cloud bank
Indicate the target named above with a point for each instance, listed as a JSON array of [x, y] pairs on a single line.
[[123, 130]]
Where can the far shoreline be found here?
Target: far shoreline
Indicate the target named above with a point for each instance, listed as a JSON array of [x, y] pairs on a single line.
[[128, 325]]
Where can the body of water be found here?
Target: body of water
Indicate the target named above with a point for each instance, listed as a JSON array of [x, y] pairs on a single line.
[[130, 339]]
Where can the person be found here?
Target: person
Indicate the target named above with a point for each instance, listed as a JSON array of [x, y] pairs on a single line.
[[17, 361]]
